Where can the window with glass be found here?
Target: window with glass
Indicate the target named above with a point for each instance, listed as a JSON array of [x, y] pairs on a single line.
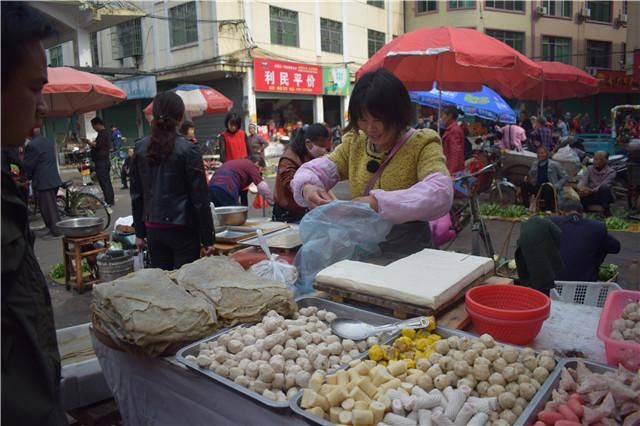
[[183, 24], [623, 59], [375, 41], [556, 49], [511, 38], [625, 6], [330, 36], [376, 3], [95, 55], [515, 5], [600, 10], [426, 6], [284, 26], [598, 54], [55, 56], [560, 8], [462, 4]]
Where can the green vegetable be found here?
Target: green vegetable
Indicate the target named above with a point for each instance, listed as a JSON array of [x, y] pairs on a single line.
[[607, 272], [57, 271], [491, 209], [616, 223]]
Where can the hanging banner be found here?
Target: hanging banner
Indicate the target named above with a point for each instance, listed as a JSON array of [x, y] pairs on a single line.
[[336, 81], [287, 77], [614, 81]]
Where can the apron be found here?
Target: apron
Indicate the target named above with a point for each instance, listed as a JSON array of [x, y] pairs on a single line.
[[404, 239]]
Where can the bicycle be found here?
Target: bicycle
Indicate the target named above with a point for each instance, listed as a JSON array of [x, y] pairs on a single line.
[[117, 161], [74, 203], [502, 190], [469, 212]]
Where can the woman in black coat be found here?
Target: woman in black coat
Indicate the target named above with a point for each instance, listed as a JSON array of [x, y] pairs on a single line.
[[169, 197]]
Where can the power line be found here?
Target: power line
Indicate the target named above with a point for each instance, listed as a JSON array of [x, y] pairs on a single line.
[[205, 21]]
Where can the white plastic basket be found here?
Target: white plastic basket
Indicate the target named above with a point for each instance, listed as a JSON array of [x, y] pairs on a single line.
[[582, 292]]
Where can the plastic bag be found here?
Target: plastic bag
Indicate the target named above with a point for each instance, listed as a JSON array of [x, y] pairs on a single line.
[[566, 153], [125, 221], [138, 261], [273, 268], [337, 231]]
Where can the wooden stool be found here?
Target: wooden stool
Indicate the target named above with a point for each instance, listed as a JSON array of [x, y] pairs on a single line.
[[72, 252]]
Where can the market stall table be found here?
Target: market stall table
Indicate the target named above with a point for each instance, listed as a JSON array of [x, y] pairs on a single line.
[[158, 391]]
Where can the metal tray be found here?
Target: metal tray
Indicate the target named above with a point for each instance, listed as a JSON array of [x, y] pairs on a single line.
[[444, 332], [233, 234], [530, 413], [315, 420], [338, 309]]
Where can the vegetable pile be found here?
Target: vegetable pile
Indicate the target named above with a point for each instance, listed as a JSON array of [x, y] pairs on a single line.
[[616, 223], [513, 210], [278, 356], [607, 272], [463, 381], [587, 398], [627, 327]]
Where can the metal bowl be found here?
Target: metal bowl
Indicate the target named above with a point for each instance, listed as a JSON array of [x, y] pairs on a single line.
[[232, 215], [81, 226]]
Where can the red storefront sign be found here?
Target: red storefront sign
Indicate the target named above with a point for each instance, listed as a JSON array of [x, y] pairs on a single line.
[[614, 81], [287, 77]]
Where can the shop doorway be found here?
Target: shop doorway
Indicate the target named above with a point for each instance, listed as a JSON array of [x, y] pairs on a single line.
[[332, 113], [284, 112]]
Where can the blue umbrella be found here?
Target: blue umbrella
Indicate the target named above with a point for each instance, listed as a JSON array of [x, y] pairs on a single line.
[[484, 104]]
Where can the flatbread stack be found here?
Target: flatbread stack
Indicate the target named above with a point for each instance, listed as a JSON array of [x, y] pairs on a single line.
[[148, 311], [238, 296]]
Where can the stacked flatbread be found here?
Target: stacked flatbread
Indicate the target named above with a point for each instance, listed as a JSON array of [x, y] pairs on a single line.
[[238, 296], [147, 310]]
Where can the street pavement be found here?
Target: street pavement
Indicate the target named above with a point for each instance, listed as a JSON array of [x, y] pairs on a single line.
[[71, 308]]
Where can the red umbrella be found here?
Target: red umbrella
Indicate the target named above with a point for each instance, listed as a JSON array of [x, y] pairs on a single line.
[[560, 81], [70, 91], [457, 59], [198, 100]]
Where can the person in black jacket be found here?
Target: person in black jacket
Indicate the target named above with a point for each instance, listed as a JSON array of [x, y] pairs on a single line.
[[100, 151], [584, 243], [30, 358], [126, 168], [42, 169], [169, 196]]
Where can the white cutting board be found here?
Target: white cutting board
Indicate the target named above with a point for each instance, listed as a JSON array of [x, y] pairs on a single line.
[[428, 278]]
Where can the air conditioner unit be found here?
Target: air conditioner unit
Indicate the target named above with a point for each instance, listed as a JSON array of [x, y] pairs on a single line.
[[585, 12], [623, 18], [129, 62], [541, 10]]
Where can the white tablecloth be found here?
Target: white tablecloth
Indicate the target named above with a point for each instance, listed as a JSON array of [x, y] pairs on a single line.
[[156, 392]]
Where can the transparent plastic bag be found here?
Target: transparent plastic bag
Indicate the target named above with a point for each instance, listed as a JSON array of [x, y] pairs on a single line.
[[274, 268], [138, 261], [337, 231], [566, 153]]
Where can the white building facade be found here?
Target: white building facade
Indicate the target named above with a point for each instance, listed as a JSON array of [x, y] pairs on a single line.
[[219, 43]]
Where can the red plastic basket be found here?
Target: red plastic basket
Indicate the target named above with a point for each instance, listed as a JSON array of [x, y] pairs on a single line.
[[508, 302], [517, 332], [618, 352]]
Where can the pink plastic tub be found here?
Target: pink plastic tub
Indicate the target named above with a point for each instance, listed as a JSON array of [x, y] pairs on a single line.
[[618, 352]]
